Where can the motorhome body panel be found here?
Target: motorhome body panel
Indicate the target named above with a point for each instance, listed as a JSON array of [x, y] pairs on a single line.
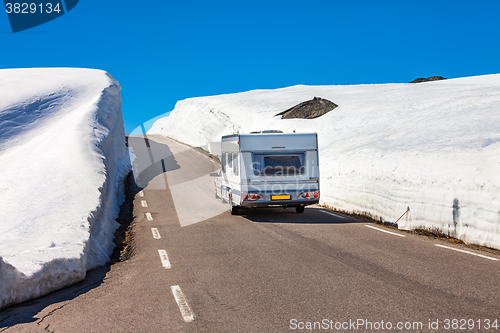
[[276, 142], [230, 143]]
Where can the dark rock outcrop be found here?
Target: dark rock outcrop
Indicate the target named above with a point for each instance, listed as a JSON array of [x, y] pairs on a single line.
[[430, 78], [314, 108]]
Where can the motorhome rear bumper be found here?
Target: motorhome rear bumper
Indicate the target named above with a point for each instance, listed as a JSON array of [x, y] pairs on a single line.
[[267, 203]]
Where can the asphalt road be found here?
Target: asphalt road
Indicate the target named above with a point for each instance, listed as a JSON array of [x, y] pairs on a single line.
[[267, 270]]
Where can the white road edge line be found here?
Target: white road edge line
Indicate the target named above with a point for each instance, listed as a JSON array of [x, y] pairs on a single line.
[[186, 312], [333, 214], [392, 233], [164, 259], [156, 233], [144, 203], [149, 217], [475, 254]]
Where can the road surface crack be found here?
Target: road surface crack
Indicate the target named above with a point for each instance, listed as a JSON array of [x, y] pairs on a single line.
[[89, 286], [48, 315], [5, 318], [47, 329], [5, 328]]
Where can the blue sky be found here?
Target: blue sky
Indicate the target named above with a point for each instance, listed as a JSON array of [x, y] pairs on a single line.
[[165, 51]]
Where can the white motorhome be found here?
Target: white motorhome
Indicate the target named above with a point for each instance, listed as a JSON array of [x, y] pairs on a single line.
[[269, 168]]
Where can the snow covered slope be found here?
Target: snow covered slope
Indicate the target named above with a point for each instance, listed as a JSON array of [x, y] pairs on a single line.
[[432, 147], [62, 163]]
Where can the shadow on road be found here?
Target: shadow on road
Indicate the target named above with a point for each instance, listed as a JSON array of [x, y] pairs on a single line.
[[26, 312], [310, 216], [152, 159]]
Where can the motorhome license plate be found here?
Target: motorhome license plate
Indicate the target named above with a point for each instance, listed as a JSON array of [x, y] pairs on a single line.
[[280, 197]]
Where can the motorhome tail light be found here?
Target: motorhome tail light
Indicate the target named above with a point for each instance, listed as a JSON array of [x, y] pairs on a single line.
[[251, 196], [310, 195]]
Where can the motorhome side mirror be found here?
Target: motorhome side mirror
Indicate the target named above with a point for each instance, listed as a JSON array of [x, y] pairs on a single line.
[[214, 174]]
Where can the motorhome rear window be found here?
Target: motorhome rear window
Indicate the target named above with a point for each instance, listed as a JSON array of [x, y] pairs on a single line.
[[278, 164]]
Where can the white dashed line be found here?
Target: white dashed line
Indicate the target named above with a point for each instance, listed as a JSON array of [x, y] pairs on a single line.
[[156, 233], [164, 259], [186, 312], [144, 203], [392, 233], [141, 193], [149, 217], [201, 154], [333, 214], [475, 254]]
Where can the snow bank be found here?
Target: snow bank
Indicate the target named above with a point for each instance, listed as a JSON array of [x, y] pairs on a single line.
[[62, 163], [432, 147]]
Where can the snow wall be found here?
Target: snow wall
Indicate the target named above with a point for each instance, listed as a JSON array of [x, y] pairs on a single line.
[[63, 160], [431, 147]]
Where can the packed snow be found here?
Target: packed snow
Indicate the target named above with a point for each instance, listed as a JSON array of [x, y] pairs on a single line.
[[62, 163], [432, 147]]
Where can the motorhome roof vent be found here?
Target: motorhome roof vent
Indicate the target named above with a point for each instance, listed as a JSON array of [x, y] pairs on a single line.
[[267, 131]]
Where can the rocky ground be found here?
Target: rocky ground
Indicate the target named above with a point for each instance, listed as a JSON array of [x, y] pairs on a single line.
[[313, 108]]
